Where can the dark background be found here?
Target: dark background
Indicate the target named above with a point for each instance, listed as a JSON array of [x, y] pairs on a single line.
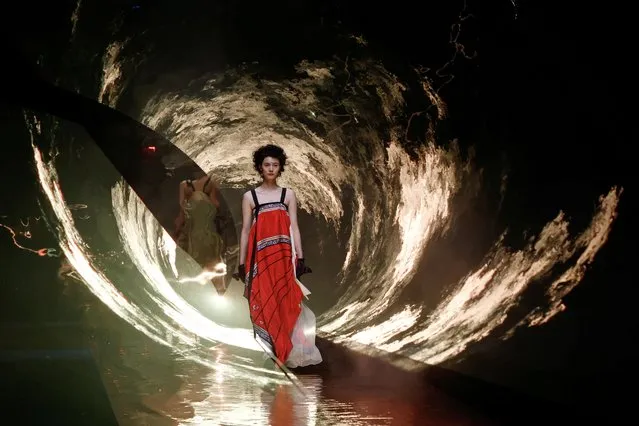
[[549, 97]]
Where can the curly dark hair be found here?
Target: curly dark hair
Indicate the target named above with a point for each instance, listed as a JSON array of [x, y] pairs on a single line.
[[268, 151]]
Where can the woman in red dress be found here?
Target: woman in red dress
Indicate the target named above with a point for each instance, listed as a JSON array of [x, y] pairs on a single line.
[[271, 261]]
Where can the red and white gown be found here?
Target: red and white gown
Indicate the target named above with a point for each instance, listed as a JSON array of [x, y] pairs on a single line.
[[281, 321]]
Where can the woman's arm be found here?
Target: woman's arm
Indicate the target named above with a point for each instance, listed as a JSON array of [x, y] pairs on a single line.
[[295, 229], [183, 193], [179, 223], [179, 220], [247, 220], [214, 192]]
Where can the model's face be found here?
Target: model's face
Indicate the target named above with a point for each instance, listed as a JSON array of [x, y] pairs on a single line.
[[270, 168]]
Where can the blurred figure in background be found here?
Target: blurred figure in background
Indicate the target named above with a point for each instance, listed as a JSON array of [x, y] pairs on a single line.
[[196, 230]]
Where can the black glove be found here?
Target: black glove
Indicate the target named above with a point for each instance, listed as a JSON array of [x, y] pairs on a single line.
[[241, 273], [301, 268]]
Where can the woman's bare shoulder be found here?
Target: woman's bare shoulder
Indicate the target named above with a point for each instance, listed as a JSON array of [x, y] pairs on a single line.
[[247, 197]]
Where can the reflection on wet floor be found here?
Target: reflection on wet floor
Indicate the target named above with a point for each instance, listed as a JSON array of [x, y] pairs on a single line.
[[151, 387], [147, 384], [133, 380]]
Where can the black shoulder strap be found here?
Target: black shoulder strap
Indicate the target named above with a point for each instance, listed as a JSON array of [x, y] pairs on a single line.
[[283, 195], [257, 204]]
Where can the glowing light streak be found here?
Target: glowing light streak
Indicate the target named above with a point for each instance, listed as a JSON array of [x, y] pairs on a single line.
[[45, 251]]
